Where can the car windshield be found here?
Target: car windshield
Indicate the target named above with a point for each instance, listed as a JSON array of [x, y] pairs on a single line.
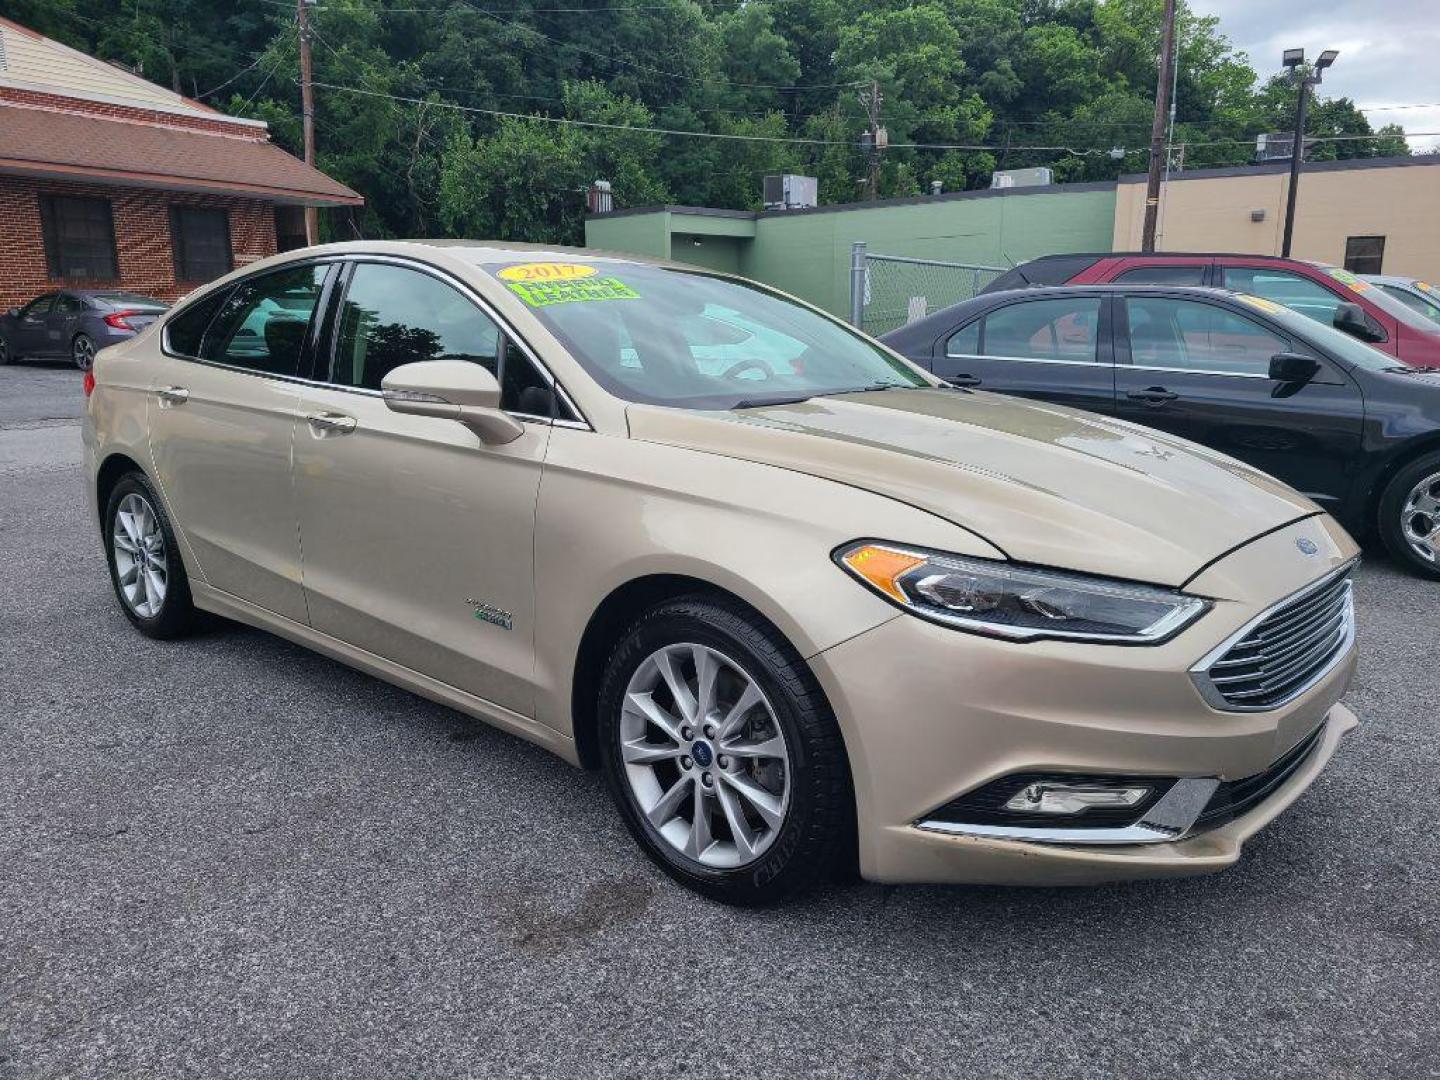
[[671, 337], [1384, 301], [1336, 342]]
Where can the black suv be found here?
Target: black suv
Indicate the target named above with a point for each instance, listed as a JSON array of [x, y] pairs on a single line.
[[1336, 419]]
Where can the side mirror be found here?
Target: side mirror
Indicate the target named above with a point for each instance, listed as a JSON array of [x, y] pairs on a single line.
[[452, 390], [1289, 367], [13, 312], [1351, 319]]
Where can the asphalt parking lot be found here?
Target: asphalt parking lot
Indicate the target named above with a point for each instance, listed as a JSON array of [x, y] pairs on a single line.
[[230, 857]]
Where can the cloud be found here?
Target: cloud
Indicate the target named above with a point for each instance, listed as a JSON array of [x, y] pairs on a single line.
[[1389, 52]]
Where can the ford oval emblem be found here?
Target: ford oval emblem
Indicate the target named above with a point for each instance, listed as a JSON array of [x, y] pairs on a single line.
[[1307, 546]]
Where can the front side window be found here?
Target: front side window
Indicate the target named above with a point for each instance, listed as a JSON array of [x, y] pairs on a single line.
[[965, 341], [79, 237], [688, 340], [1189, 335], [393, 315], [1364, 254], [201, 241], [1044, 330], [1163, 275], [263, 323], [1285, 287], [38, 307]]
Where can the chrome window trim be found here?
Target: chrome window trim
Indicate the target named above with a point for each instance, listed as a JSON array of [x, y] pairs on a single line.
[[1173, 815], [580, 424], [1027, 359], [1200, 671], [1195, 371]]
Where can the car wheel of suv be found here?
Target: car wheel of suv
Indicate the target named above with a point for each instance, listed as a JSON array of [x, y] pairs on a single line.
[[1410, 515], [82, 352], [144, 558], [723, 755]]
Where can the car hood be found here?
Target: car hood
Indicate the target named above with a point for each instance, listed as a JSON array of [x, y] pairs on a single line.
[[1045, 484]]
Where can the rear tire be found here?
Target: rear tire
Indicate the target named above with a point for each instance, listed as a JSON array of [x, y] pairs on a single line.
[[82, 352], [1410, 513], [770, 779], [144, 558]]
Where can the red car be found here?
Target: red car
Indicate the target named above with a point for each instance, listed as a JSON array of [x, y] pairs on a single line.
[[1327, 294]]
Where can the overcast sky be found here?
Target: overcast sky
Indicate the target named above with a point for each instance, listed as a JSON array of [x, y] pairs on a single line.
[[1389, 50]]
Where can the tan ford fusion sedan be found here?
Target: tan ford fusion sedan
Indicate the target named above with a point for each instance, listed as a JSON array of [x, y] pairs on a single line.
[[805, 606]]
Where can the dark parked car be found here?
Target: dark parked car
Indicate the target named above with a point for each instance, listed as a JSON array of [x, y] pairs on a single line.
[[74, 324], [1326, 294], [1336, 419]]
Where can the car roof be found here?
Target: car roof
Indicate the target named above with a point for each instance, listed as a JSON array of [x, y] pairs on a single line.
[[1173, 255]]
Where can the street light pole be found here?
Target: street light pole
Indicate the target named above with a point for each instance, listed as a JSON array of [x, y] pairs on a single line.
[[1294, 59]]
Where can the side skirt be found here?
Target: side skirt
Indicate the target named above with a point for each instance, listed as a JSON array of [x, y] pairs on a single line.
[[213, 600]]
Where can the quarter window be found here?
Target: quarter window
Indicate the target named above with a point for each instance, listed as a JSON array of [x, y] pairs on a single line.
[[1044, 329], [1193, 336], [263, 323], [201, 239], [184, 332], [965, 341], [393, 316], [79, 237]]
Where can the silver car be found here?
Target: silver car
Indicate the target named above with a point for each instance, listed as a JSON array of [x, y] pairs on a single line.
[[1420, 296]]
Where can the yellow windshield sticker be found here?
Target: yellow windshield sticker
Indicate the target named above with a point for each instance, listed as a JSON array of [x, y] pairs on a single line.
[[546, 271], [1268, 306], [1345, 277], [545, 293]]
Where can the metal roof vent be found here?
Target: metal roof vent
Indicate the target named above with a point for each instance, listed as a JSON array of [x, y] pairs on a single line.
[[3, 62]]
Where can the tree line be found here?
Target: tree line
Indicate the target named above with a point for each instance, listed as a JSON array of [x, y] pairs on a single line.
[[431, 108]]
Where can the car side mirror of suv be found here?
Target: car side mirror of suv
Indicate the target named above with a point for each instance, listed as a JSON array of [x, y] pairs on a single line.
[[1289, 367], [1351, 319], [452, 390]]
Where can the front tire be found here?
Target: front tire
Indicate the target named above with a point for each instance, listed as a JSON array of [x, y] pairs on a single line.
[[1410, 516], [723, 755], [82, 352], [144, 558]]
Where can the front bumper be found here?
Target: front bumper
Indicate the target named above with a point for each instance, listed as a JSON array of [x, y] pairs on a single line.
[[929, 713]]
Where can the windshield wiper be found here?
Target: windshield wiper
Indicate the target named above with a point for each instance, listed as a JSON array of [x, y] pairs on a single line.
[[868, 389], [760, 403]]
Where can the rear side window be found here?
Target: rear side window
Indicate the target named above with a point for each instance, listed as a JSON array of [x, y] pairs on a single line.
[[263, 323], [1044, 329], [393, 315], [186, 330], [1163, 275]]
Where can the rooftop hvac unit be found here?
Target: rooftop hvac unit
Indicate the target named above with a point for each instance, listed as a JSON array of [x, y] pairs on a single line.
[[1008, 178], [1276, 146], [791, 192]]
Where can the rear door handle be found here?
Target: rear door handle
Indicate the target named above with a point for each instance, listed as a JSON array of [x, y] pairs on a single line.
[[329, 423], [1154, 395], [172, 395], [963, 380]]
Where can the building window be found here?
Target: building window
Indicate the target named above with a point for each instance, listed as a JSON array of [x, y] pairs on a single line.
[[79, 238], [1364, 254], [202, 243]]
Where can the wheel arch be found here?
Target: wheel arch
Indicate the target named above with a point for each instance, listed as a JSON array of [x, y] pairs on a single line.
[[1409, 453], [116, 464]]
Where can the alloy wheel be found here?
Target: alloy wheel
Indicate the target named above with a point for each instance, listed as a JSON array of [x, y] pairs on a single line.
[[1420, 518], [141, 563], [83, 353], [704, 755]]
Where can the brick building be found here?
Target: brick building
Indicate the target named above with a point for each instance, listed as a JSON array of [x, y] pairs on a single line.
[[107, 180]]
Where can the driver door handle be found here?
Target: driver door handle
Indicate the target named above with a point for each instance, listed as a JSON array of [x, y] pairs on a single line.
[[173, 395], [331, 423], [963, 380], [1154, 395]]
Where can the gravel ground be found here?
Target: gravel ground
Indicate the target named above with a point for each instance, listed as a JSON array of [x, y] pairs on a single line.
[[231, 857]]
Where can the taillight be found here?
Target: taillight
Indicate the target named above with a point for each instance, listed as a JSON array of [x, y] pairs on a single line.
[[89, 382], [117, 319]]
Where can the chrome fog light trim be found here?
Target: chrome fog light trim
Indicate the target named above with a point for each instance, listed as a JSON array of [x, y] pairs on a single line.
[[1055, 798]]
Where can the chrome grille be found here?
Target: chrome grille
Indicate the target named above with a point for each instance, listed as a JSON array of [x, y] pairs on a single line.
[[1286, 651]]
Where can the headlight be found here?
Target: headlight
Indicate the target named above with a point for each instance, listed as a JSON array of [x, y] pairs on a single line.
[[1003, 600]]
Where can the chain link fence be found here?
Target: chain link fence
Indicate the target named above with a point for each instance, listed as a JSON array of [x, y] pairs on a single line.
[[887, 291]]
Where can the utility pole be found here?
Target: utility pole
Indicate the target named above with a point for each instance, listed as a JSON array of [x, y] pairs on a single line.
[[876, 138], [307, 110], [1294, 61], [1157, 127]]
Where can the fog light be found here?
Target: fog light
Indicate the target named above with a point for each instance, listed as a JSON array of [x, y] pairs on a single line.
[[1052, 798]]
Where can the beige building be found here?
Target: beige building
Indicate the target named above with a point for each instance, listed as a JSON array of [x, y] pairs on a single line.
[[1370, 215]]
